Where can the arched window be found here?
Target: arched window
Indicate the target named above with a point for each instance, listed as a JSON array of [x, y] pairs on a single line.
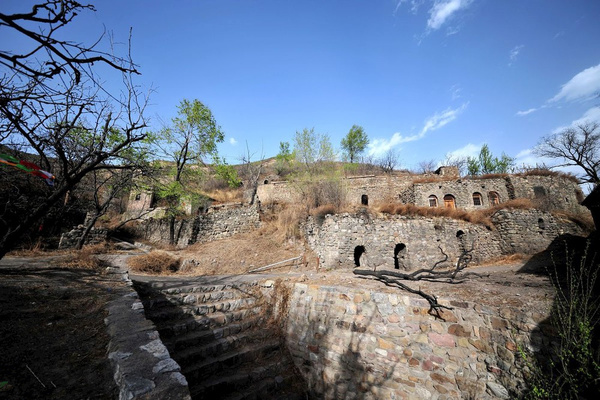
[[433, 202], [541, 224], [494, 198], [358, 251], [399, 254], [138, 197], [364, 200], [449, 201], [477, 199]]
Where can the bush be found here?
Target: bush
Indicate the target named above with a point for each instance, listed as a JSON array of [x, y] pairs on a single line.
[[155, 262]]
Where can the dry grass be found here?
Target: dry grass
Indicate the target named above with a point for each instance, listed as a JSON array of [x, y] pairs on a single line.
[[481, 217], [226, 195], [548, 172], [85, 258], [584, 221], [155, 262], [517, 258], [434, 178]]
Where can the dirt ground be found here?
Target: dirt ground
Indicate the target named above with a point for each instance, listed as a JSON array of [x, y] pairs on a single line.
[[52, 331]]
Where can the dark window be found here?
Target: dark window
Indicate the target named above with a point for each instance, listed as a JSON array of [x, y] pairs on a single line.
[[433, 201], [541, 224], [358, 251], [539, 191], [364, 200], [477, 200], [138, 197]]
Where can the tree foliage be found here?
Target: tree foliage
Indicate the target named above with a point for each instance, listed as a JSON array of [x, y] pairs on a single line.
[[486, 163], [311, 147], [53, 104], [576, 146], [355, 142]]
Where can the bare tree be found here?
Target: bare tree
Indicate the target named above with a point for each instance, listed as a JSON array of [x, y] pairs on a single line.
[[389, 161], [54, 105], [433, 274], [456, 161], [250, 172], [427, 166], [576, 146]]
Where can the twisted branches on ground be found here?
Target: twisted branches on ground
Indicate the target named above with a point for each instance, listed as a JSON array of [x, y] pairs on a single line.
[[434, 274]]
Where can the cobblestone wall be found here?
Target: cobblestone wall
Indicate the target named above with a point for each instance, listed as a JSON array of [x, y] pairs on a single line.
[[218, 223], [353, 343], [408, 243]]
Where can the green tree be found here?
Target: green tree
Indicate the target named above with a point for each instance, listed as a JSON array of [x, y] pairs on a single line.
[[226, 172], [355, 142], [283, 159], [486, 163], [311, 147], [193, 135]]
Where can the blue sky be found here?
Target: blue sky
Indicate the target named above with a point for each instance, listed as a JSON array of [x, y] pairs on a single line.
[[424, 77]]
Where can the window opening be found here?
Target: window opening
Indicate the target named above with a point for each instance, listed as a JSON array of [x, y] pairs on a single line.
[[364, 200], [539, 192], [449, 201], [494, 198], [399, 256], [477, 200], [358, 251], [541, 224], [433, 201], [138, 197]]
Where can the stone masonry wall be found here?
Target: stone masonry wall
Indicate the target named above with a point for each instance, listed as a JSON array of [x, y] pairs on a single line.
[[462, 190], [408, 243], [554, 192], [353, 343], [396, 241], [216, 224]]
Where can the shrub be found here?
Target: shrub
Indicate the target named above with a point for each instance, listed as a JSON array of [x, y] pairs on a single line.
[[86, 258], [155, 262]]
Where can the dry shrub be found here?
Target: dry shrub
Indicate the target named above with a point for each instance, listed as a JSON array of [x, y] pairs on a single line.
[[288, 222], [584, 221], [86, 257], [325, 192], [226, 195], [548, 172], [155, 262], [507, 259], [481, 217]]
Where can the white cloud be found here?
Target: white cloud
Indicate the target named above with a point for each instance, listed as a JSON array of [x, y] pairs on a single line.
[[582, 86], [438, 120], [232, 141], [455, 91], [522, 113], [469, 150], [591, 115], [443, 10], [514, 53]]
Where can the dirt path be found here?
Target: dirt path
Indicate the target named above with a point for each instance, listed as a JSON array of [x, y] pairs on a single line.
[[52, 331]]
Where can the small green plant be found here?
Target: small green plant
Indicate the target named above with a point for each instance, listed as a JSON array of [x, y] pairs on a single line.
[[572, 368]]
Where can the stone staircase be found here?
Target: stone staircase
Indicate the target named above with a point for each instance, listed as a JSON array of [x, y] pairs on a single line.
[[221, 337]]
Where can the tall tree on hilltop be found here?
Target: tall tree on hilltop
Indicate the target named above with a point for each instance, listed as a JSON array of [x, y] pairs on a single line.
[[486, 163], [53, 104], [192, 135], [355, 142]]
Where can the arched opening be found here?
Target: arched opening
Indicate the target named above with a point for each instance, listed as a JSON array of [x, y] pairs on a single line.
[[477, 199], [364, 200], [494, 198], [541, 224], [433, 201], [449, 201], [358, 251], [266, 182], [460, 234], [138, 197], [399, 256]]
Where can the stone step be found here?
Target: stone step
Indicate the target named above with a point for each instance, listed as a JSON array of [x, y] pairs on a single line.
[[175, 323], [250, 382], [185, 287], [197, 308], [201, 337], [228, 362], [196, 354]]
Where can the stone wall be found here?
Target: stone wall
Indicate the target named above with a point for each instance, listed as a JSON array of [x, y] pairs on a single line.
[[69, 239], [353, 343], [408, 243], [462, 190], [217, 223], [553, 192]]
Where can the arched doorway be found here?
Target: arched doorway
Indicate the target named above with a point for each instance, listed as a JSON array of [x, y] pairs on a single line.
[[449, 201], [399, 256], [358, 251]]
